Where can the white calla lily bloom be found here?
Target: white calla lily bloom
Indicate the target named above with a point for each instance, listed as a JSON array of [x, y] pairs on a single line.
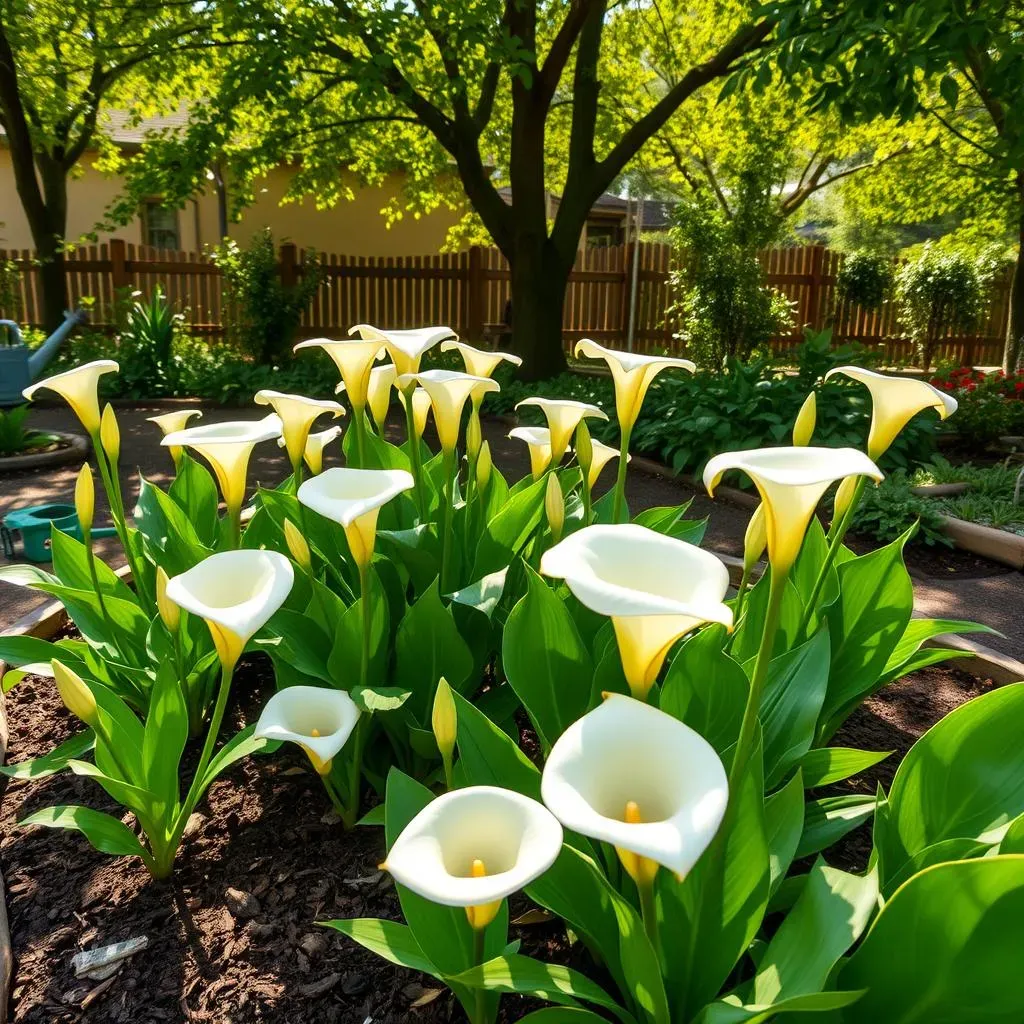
[[603, 454], [79, 388], [449, 391], [297, 414], [474, 847], [421, 406], [478, 361], [538, 442], [353, 498], [378, 394], [563, 416], [654, 588], [405, 347], [895, 400], [354, 359], [633, 776], [318, 719], [313, 453], [791, 482], [235, 593], [170, 422], [227, 448], [632, 374]]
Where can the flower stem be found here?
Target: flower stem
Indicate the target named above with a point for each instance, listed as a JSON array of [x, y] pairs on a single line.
[[448, 469], [588, 503], [479, 994], [414, 458], [364, 652], [620, 478], [649, 913], [741, 593], [359, 426]]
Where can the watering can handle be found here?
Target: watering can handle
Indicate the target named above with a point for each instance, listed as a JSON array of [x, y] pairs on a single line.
[[15, 330], [6, 542]]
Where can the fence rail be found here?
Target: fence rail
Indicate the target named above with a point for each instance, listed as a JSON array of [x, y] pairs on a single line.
[[469, 290]]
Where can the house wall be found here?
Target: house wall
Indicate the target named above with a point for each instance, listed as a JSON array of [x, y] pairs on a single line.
[[354, 227]]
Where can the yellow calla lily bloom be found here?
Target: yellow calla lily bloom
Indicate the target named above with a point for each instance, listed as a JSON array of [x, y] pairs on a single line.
[[538, 442], [315, 445], [654, 588], [449, 391], [563, 416], [378, 396], [791, 482], [478, 361], [406, 347], [632, 374], [354, 359], [172, 422], [227, 448], [895, 400], [420, 409], [297, 414], [602, 455], [353, 499], [80, 389]]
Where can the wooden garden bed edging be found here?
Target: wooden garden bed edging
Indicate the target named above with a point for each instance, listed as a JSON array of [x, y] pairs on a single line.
[[999, 545]]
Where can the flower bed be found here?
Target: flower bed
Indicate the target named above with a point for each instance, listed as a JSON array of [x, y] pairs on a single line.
[[540, 699]]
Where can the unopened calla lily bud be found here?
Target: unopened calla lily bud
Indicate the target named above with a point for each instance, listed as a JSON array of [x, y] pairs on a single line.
[[584, 449], [554, 507], [85, 498], [484, 467], [110, 433], [806, 418], [844, 495], [755, 540], [474, 435], [77, 697], [297, 546], [445, 723], [170, 613]]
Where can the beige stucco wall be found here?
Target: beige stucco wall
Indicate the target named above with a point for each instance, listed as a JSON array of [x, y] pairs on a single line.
[[354, 227]]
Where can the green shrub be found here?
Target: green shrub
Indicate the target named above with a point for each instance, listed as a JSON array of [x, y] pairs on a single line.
[[865, 278], [887, 511], [15, 437]]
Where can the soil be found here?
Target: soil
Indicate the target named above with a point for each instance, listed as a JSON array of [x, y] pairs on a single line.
[[937, 561]]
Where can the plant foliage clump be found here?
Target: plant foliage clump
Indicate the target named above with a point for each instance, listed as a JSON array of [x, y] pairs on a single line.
[[865, 278]]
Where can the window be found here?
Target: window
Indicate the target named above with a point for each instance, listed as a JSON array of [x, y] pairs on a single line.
[[601, 234], [160, 225]]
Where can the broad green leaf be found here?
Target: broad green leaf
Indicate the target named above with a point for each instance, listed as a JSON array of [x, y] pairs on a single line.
[[379, 698], [106, 833], [25, 575], [945, 949], [962, 779], [747, 638], [826, 765], [23, 650], [55, 761], [904, 658], [784, 823], [827, 820], [830, 915], [563, 1015], [388, 939], [938, 853], [545, 661], [166, 732], [142, 801], [509, 530], [706, 689], [168, 530], [807, 567], [731, 1011], [483, 595], [194, 491], [71, 566]]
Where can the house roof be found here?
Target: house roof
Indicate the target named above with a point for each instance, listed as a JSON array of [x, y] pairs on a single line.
[[656, 212], [127, 130]]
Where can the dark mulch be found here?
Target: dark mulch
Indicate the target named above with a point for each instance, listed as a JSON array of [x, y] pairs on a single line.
[[267, 830], [937, 561]]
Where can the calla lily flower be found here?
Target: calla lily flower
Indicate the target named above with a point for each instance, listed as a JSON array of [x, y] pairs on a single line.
[[478, 361], [633, 776], [227, 447], [171, 422], [473, 847], [895, 401], [421, 406], [318, 719], [354, 359], [236, 593], [353, 498], [538, 441], [406, 348], [449, 391], [315, 445], [603, 454], [632, 374], [80, 389], [563, 416], [378, 394], [297, 414], [654, 588], [791, 482]]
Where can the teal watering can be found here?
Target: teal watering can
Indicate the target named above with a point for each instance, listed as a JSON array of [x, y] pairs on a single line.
[[34, 526], [19, 367]]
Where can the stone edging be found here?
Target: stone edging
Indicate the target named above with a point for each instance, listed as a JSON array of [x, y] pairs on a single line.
[[78, 450]]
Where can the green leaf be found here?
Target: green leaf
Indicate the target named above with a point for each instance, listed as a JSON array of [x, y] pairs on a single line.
[[904, 658], [827, 820], [379, 698], [194, 491], [826, 765], [25, 575], [168, 530], [388, 939], [54, 761], [784, 824], [731, 1011], [242, 744], [546, 662], [793, 695], [945, 948], [71, 565], [706, 689], [563, 1015], [830, 915], [166, 732], [557, 984], [509, 530], [483, 595], [747, 638], [962, 779], [24, 650], [949, 89], [104, 832]]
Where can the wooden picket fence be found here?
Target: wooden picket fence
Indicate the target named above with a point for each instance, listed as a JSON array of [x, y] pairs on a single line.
[[468, 291]]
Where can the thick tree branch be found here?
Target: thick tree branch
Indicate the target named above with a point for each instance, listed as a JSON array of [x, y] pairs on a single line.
[[550, 73], [792, 202]]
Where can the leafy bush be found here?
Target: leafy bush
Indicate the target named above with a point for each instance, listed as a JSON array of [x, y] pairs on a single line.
[[15, 437], [865, 278], [939, 292], [263, 313], [887, 511], [146, 348], [991, 405]]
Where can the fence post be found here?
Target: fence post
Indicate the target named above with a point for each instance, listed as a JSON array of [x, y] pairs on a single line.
[[287, 267], [814, 295], [118, 265], [475, 296], [628, 256]]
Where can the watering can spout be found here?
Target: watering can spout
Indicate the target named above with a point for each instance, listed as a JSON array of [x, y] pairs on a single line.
[[39, 359]]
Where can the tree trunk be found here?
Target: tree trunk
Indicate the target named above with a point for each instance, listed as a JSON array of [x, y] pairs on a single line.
[[48, 235], [53, 292], [1014, 349], [539, 282]]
